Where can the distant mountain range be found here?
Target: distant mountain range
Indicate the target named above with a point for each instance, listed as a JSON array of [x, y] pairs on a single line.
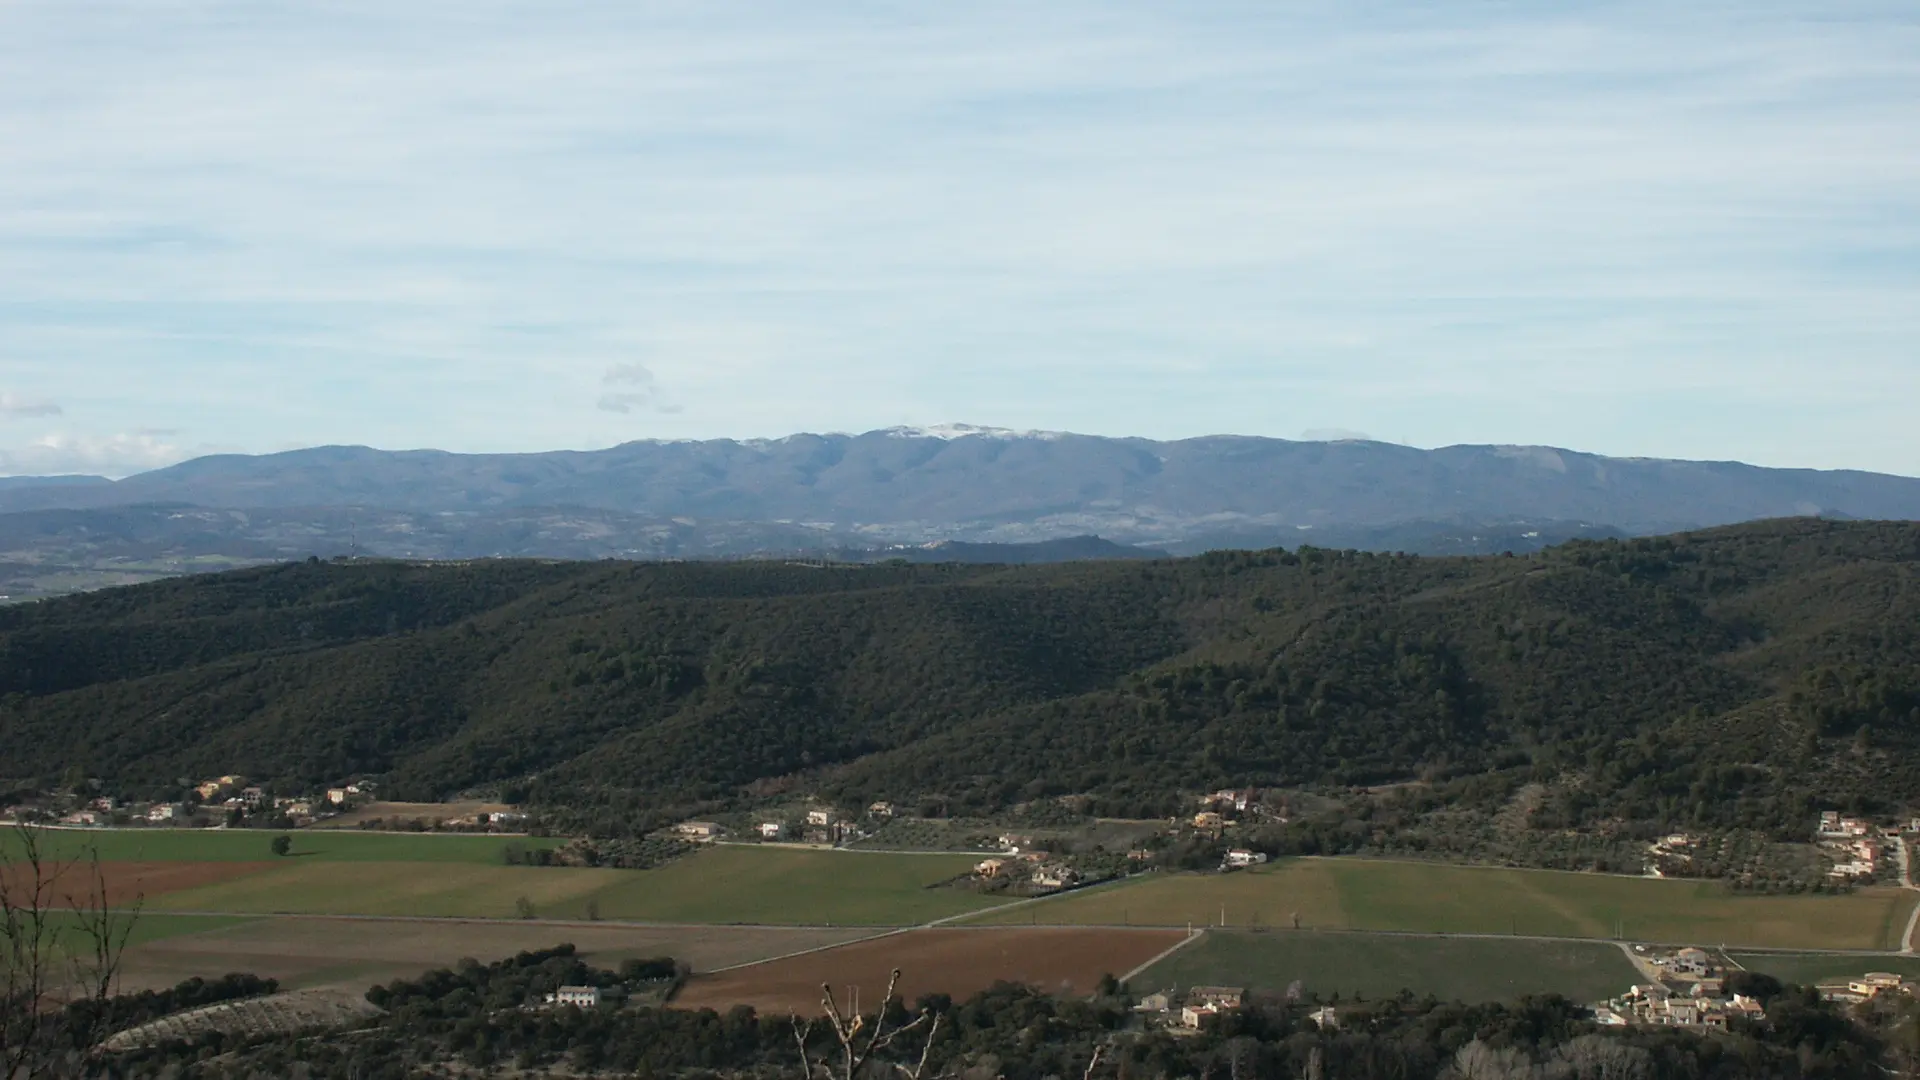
[[891, 491]]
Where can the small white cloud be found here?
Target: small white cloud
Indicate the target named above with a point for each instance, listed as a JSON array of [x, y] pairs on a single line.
[[111, 455], [627, 375], [632, 387], [15, 407]]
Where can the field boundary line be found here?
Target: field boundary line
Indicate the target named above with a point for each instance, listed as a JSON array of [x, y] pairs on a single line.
[[1191, 937], [896, 932]]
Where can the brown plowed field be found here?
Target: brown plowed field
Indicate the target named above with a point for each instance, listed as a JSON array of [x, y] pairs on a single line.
[[959, 962], [356, 953], [128, 881]]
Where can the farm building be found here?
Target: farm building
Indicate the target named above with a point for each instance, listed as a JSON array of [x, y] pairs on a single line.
[[586, 997]]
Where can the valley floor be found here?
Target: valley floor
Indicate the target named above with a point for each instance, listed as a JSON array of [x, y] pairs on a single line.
[[766, 926]]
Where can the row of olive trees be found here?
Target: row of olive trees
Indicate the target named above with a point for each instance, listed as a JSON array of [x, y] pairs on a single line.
[[60, 947]]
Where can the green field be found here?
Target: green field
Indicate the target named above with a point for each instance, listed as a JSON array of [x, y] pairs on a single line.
[[1805, 968], [720, 885], [781, 886], [453, 890], [254, 845], [1381, 965], [1359, 894]]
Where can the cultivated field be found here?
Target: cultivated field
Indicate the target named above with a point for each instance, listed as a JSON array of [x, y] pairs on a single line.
[[253, 845], [1807, 968], [957, 962], [1381, 965], [785, 886], [446, 890], [357, 953], [744, 884], [127, 882], [1359, 894], [275, 1014]]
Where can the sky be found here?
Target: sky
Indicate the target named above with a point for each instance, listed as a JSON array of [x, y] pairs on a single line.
[[1675, 230]]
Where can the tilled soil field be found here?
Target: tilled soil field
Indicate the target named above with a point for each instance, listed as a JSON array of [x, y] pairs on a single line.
[[958, 962], [129, 881], [356, 953]]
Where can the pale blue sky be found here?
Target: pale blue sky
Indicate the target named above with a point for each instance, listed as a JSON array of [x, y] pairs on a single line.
[[1684, 230]]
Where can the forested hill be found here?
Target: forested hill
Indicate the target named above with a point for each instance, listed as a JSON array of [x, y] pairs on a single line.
[[1734, 673]]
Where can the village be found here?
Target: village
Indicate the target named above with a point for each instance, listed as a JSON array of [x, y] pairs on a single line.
[[230, 801], [1693, 988], [1021, 862]]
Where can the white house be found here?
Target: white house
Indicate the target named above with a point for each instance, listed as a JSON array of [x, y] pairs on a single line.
[[1194, 1015], [771, 830], [162, 812], [1245, 857], [586, 997], [822, 818]]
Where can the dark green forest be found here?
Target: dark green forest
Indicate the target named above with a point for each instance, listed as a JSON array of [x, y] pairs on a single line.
[[1733, 677]]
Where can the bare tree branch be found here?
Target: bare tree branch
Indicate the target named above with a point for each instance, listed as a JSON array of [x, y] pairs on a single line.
[[59, 937]]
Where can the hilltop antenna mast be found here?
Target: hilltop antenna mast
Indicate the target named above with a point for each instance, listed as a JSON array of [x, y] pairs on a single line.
[[353, 540]]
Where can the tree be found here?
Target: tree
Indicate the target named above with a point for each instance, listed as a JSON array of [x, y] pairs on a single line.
[[593, 910], [523, 908], [60, 941], [854, 1054], [282, 845]]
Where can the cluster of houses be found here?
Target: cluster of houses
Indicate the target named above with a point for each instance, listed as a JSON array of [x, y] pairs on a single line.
[[1223, 808], [213, 801], [819, 825], [1855, 845], [1190, 1010], [1038, 869], [1690, 991]]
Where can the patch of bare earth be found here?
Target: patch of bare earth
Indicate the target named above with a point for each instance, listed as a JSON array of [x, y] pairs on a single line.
[[129, 881], [357, 953], [956, 961]]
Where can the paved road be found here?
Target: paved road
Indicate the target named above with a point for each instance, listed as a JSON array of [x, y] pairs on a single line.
[[1905, 859]]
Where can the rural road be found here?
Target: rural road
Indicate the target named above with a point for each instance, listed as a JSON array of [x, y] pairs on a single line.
[[1905, 858]]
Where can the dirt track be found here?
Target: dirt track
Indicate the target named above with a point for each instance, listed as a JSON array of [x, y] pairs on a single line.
[[958, 962]]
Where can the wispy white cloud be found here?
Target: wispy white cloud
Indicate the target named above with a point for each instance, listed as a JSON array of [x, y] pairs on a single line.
[[1675, 229], [111, 455], [14, 406]]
